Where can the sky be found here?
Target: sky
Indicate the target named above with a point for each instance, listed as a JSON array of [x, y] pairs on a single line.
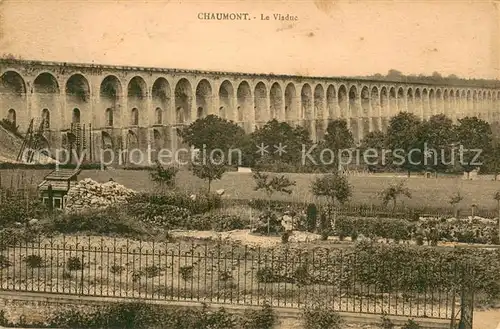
[[330, 38]]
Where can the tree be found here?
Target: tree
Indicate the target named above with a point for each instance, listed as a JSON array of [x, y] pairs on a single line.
[[496, 196], [435, 139], [337, 138], [401, 133], [164, 177], [492, 159], [271, 185], [213, 133], [210, 170], [374, 143], [275, 133], [474, 138], [393, 193], [335, 187], [455, 199]]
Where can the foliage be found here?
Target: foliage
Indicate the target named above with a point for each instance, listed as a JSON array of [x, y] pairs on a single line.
[[15, 209], [4, 262], [411, 324], [269, 223], [164, 176], [333, 186], [270, 185], [208, 169], [401, 138], [265, 318], [321, 317], [34, 261], [74, 263], [166, 216], [393, 193], [374, 141], [201, 203], [386, 323], [473, 134], [312, 215], [216, 222]]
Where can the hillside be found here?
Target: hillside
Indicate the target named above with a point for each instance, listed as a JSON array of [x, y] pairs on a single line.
[[10, 144]]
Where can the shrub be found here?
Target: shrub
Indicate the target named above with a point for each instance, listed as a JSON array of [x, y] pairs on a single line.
[[116, 269], [265, 275], [264, 318], [34, 261], [312, 214], [186, 272], [74, 263], [4, 262], [318, 317], [152, 271], [410, 324], [386, 323], [202, 203]]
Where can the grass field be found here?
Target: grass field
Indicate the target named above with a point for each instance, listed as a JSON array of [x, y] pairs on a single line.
[[426, 192]]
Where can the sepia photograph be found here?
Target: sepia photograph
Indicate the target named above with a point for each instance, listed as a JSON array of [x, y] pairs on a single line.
[[239, 164]]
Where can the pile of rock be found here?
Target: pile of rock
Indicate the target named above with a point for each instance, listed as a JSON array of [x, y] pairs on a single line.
[[89, 195]]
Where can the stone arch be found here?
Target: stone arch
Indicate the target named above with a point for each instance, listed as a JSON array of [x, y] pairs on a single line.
[[276, 101], [290, 103], [203, 98], [393, 102], [417, 102], [331, 96], [260, 103], [109, 117], [133, 156], [183, 98], [307, 108], [343, 100], [136, 99], [384, 102], [432, 102], [134, 117], [46, 118], [446, 102], [470, 104], [376, 114], [475, 105], [439, 101], [11, 116], [244, 102], [319, 109], [365, 102], [46, 93], [425, 103], [401, 100], [410, 105], [78, 94], [76, 116], [354, 113], [226, 94], [158, 116], [106, 144], [12, 93], [110, 92], [161, 100]]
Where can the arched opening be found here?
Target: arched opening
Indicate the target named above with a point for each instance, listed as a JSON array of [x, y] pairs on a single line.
[[75, 116], [161, 100], [134, 157], [470, 104], [439, 102], [109, 117], [401, 100], [384, 108], [244, 106], [409, 100], [331, 101], [46, 92], [432, 102], [13, 92], [110, 92], [46, 118], [183, 99], [134, 117], [425, 103], [446, 103], [78, 93], [365, 110], [475, 104], [11, 116], [260, 103], [393, 102], [159, 116], [276, 105], [107, 144], [417, 102], [226, 92], [158, 143], [319, 109], [307, 107], [290, 103], [354, 113], [203, 98], [343, 101], [376, 115], [136, 98]]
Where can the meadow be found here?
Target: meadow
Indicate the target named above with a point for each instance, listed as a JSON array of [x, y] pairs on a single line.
[[428, 193]]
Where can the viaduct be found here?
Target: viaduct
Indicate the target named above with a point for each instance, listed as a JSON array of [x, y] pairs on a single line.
[[133, 107]]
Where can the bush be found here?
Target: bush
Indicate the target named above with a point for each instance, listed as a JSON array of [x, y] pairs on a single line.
[[165, 216], [4, 262], [202, 203], [34, 261], [216, 222], [264, 318], [318, 317], [74, 263], [410, 324]]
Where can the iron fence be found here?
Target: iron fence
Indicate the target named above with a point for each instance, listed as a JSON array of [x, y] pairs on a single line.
[[231, 274]]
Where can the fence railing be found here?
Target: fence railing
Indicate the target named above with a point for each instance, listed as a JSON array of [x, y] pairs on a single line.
[[222, 273]]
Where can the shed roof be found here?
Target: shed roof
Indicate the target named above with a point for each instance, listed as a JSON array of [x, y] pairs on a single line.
[[62, 174], [56, 185]]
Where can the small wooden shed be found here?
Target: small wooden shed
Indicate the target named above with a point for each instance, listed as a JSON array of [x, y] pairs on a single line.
[[61, 181]]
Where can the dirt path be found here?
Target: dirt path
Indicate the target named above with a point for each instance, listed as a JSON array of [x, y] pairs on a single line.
[[489, 319]]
